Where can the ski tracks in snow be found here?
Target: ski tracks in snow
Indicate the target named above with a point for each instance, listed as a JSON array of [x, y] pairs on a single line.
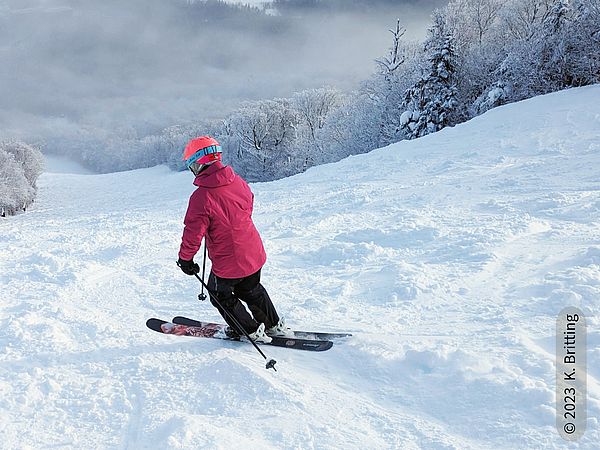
[[448, 257]]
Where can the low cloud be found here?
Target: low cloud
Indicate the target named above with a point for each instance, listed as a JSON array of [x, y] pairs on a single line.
[[140, 65]]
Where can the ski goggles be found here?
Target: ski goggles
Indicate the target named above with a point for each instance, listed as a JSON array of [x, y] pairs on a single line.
[[202, 163], [204, 155], [196, 168]]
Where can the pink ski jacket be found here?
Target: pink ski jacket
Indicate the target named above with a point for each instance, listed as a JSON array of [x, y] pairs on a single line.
[[221, 210]]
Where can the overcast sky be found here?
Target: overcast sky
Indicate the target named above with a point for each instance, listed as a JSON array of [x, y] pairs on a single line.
[[141, 64]]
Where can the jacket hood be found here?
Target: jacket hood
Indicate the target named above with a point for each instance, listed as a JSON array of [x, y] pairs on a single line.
[[215, 175]]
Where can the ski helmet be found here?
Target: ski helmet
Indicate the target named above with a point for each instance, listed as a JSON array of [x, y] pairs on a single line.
[[201, 152]]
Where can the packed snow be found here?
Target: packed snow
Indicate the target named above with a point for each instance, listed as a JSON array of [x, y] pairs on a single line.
[[448, 258]]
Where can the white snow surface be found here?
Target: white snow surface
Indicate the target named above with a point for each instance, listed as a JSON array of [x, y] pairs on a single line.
[[448, 258]]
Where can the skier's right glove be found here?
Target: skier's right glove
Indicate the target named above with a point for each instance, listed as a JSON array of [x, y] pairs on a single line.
[[188, 267]]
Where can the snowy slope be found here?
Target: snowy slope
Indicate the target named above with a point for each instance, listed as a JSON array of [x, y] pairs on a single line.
[[448, 257]]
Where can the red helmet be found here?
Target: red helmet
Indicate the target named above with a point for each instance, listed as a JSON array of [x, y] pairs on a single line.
[[200, 152]]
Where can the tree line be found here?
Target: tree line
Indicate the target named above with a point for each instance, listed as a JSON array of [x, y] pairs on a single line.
[[479, 54]]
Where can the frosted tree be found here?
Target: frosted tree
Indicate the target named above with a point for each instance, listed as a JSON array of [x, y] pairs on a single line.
[[386, 90], [553, 48], [430, 104], [471, 21], [478, 42], [514, 76], [29, 158], [522, 18], [539, 63], [369, 117], [484, 14], [259, 137], [313, 108], [16, 193], [583, 45], [352, 129]]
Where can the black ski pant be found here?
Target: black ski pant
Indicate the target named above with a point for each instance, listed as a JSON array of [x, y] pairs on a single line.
[[230, 291]]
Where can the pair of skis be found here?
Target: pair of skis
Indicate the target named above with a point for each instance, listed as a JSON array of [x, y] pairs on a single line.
[[301, 340], [183, 326]]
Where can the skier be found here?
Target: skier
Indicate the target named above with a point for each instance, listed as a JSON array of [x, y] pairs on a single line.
[[220, 211]]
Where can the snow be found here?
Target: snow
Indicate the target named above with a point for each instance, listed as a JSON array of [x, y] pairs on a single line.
[[405, 117], [60, 164], [448, 257]]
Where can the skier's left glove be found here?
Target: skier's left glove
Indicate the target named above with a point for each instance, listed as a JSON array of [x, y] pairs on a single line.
[[188, 267]]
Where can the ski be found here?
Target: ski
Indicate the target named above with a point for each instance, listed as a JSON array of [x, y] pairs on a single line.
[[218, 331], [297, 334]]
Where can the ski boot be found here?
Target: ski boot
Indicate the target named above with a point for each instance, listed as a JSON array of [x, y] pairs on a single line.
[[259, 335], [280, 329]]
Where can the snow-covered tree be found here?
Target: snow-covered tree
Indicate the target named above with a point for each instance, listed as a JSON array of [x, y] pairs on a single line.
[[28, 157], [259, 137], [313, 107], [521, 18], [386, 88], [370, 117], [558, 51], [430, 104], [20, 166], [583, 51], [479, 47], [351, 129], [552, 43]]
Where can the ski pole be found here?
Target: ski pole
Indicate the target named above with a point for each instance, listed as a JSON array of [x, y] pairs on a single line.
[[270, 362], [202, 295]]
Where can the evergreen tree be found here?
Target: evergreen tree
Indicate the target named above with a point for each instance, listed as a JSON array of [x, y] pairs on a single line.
[[430, 104]]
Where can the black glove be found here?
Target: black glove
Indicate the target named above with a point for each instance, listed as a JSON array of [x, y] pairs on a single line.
[[188, 267]]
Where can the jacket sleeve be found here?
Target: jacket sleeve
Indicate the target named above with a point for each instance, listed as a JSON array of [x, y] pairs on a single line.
[[196, 223]]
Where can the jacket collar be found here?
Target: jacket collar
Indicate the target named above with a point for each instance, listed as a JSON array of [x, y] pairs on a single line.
[[215, 175]]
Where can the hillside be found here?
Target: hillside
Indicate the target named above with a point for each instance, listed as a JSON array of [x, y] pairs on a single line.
[[448, 257]]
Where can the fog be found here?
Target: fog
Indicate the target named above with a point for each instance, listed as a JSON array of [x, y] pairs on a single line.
[[132, 67]]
